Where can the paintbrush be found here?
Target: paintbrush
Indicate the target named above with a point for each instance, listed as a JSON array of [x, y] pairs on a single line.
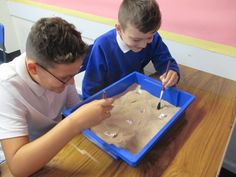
[[163, 88], [104, 94]]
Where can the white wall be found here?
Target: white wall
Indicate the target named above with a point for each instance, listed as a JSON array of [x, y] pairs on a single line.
[[24, 16], [204, 60], [10, 35]]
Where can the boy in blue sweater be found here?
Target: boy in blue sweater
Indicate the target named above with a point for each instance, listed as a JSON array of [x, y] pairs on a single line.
[[129, 47]]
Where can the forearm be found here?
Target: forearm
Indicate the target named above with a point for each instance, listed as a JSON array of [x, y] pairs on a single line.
[[33, 156], [24, 157]]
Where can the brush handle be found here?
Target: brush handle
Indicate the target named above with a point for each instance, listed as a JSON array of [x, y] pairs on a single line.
[[162, 87], [104, 95], [167, 68]]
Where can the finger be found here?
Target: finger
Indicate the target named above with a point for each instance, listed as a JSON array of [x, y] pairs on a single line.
[[107, 102], [172, 81], [109, 108], [166, 80], [107, 114], [169, 83], [162, 77], [166, 77], [104, 102]]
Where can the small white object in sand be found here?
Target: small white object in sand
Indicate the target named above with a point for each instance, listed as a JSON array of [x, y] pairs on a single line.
[[130, 122], [112, 134], [138, 90], [162, 116]]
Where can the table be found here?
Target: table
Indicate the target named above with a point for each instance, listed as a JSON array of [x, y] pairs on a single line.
[[193, 147]]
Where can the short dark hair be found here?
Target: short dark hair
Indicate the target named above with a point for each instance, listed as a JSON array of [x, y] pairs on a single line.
[[55, 41], [145, 15]]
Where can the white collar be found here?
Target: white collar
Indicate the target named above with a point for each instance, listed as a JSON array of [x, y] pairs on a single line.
[[121, 44]]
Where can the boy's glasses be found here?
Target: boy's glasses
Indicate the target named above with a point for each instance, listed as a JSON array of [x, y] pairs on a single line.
[[58, 79]]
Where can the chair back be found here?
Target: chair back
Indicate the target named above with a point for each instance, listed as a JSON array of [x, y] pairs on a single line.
[[2, 43]]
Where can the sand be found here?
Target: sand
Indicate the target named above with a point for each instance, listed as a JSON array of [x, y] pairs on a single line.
[[134, 119]]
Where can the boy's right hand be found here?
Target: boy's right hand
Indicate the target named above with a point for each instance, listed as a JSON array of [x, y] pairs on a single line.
[[93, 113]]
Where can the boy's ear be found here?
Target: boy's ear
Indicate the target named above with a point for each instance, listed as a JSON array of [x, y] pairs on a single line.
[[118, 27], [32, 67]]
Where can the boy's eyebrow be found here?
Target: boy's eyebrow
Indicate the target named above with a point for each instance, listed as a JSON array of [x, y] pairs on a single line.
[[136, 38]]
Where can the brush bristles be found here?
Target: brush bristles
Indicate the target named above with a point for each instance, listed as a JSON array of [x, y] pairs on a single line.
[[159, 106]]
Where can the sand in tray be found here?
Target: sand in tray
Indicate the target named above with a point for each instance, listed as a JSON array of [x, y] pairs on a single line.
[[134, 119]]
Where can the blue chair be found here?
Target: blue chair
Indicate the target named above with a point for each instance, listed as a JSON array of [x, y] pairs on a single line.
[[2, 44]]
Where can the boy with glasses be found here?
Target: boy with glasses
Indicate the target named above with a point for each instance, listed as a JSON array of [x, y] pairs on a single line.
[[36, 87]]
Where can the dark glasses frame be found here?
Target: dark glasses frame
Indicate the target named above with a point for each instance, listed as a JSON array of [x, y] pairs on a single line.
[[58, 79]]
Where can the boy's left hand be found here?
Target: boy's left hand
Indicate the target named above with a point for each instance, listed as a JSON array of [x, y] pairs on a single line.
[[170, 79]]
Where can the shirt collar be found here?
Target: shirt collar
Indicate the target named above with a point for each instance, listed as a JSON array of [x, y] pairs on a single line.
[[121, 44]]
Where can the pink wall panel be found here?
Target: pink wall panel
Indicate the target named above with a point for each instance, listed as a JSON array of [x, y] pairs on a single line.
[[212, 20]]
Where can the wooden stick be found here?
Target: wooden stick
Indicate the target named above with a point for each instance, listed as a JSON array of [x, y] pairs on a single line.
[[163, 88]]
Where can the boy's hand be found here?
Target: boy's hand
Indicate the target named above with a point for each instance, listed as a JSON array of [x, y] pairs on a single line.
[[170, 79], [93, 113]]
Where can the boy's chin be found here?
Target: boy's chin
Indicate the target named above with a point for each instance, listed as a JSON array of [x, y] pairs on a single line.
[[137, 50]]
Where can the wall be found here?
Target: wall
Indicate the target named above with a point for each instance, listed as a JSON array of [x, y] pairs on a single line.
[[10, 32], [185, 54], [209, 20]]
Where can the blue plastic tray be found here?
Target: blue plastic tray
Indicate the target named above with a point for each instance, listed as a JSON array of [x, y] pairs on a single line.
[[174, 96]]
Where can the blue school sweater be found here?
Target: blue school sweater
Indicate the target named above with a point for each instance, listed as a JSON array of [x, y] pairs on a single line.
[[106, 62]]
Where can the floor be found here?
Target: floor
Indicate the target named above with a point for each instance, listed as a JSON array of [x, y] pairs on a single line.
[[226, 173]]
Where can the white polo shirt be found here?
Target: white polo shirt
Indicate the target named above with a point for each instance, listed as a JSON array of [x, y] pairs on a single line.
[[25, 107]]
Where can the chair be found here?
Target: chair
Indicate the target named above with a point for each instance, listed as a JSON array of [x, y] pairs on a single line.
[[2, 44], [80, 76]]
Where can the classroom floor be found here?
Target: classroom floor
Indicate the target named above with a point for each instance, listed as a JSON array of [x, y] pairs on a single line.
[[225, 173]]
